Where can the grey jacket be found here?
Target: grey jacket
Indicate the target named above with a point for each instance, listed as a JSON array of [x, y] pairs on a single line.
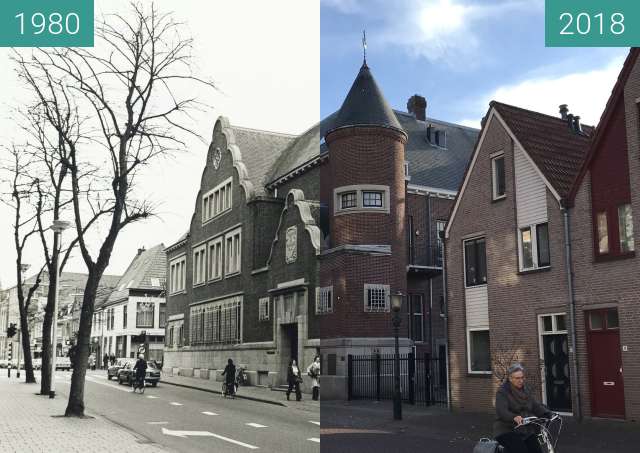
[[508, 407]]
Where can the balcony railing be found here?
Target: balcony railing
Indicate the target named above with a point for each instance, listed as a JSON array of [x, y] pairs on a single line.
[[426, 257]]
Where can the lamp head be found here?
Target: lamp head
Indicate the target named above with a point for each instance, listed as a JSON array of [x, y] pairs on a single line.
[[59, 226], [396, 302]]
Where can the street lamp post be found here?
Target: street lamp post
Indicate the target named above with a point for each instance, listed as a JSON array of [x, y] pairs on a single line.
[[396, 305], [58, 227]]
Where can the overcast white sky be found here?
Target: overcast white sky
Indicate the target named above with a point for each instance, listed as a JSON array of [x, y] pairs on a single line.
[[265, 58]]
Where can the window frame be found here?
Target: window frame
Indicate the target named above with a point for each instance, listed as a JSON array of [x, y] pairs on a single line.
[[178, 269], [469, 370], [217, 265], [494, 177], [201, 266], [535, 250], [217, 201], [263, 313], [464, 257], [411, 314], [236, 246], [324, 304], [377, 287], [359, 191], [620, 229], [153, 315]]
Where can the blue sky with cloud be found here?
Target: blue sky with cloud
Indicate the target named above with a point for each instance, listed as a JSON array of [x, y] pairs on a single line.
[[460, 54]]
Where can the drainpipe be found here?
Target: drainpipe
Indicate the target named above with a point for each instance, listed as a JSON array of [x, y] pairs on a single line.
[[446, 319], [572, 311]]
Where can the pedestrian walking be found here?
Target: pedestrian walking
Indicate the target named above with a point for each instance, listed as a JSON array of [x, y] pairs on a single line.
[[313, 371], [92, 362], [139, 372], [112, 359], [229, 374], [105, 360], [294, 379]]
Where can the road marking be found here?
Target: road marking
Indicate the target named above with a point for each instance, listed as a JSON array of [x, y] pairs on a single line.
[[315, 423], [173, 403], [209, 413], [152, 397], [314, 439], [157, 423], [184, 434], [255, 425]]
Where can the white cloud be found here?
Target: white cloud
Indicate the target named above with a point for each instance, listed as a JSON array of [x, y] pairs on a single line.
[[344, 6], [586, 93]]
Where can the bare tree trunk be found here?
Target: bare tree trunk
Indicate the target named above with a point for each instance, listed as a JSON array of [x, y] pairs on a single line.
[[75, 406], [45, 376]]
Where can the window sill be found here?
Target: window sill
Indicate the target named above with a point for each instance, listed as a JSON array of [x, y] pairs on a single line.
[[479, 374], [475, 286], [214, 280], [197, 285], [235, 274], [320, 313], [361, 210], [534, 271], [217, 216], [614, 257], [177, 293], [498, 199]]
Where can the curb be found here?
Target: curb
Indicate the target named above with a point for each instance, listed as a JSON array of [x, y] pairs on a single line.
[[218, 392]]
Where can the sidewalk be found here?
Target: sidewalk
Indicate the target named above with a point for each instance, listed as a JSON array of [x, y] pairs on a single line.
[[259, 394], [31, 423], [369, 426]]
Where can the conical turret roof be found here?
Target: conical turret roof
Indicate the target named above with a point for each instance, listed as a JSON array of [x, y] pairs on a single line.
[[365, 105]]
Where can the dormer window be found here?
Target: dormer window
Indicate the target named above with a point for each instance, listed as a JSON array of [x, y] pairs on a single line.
[[441, 138]]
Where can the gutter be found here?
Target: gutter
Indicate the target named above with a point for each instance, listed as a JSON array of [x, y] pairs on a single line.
[[572, 313], [446, 317]]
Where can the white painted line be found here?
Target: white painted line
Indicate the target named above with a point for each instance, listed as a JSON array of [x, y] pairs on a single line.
[[157, 423], [173, 403], [184, 434], [152, 397], [209, 413], [314, 439], [315, 423], [255, 425]]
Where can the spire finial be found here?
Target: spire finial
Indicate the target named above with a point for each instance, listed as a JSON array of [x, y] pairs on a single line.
[[364, 46]]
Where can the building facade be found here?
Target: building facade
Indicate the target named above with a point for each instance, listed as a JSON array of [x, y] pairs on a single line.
[[134, 309], [387, 186], [541, 263], [242, 282]]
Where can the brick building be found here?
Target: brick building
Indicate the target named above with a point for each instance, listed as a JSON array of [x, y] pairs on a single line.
[[387, 184], [542, 234], [242, 282]]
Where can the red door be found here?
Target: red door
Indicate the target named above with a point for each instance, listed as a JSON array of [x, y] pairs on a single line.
[[605, 363]]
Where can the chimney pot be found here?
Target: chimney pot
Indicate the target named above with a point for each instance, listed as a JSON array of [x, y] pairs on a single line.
[[569, 120], [577, 126], [140, 250], [564, 110], [417, 105]]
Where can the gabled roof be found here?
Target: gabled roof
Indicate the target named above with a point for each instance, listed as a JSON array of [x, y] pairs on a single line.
[[303, 149], [617, 94], [554, 147], [365, 105], [146, 272]]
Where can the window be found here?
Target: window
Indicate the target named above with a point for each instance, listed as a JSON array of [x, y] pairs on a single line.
[[348, 200], [144, 314], [199, 260], [216, 322], [215, 259], [416, 321], [372, 199], [177, 274], [124, 317], [534, 247], [603, 234], [625, 227], [498, 178], [553, 323], [324, 300], [440, 226], [376, 298], [263, 309], [361, 198], [475, 262], [479, 351], [217, 200], [233, 252], [162, 316]]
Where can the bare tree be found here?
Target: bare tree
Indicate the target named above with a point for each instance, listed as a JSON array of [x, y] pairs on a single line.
[[20, 199], [124, 94]]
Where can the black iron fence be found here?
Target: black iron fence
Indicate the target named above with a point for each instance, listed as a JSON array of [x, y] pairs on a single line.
[[422, 379]]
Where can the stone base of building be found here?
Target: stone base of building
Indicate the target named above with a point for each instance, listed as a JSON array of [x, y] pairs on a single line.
[[335, 353], [263, 364]]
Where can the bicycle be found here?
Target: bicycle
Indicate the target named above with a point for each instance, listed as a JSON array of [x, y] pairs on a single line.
[[546, 440], [228, 389]]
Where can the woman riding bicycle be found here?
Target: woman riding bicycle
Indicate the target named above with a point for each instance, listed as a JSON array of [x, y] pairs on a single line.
[[514, 401], [229, 374], [139, 373]]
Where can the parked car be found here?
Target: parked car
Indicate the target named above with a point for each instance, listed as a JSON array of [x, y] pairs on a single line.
[[125, 374], [4, 363], [112, 371], [63, 363]]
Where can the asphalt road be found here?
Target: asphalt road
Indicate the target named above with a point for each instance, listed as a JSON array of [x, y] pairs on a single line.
[[187, 420]]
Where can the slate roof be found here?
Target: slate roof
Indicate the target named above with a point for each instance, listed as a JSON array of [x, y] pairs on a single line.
[[260, 150], [301, 150], [141, 274], [555, 148], [365, 105]]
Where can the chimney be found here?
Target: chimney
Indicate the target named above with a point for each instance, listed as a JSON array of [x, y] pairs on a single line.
[[417, 105], [569, 120], [576, 124], [564, 110], [141, 250]]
